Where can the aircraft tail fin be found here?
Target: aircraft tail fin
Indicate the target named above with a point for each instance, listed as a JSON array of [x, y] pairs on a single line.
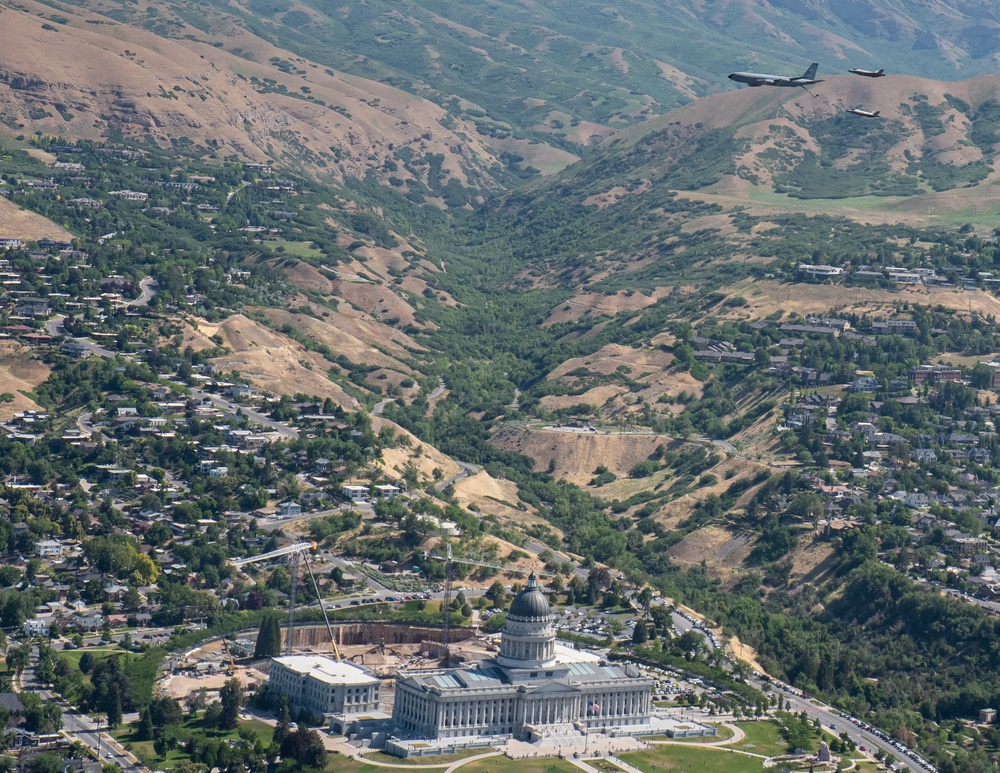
[[810, 74], [876, 113], [880, 72]]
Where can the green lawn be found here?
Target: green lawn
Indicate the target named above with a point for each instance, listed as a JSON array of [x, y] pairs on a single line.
[[191, 727], [693, 759], [100, 653], [337, 763], [504, 765], [499, 764], [762, 738], [438, 759], [298, 249]]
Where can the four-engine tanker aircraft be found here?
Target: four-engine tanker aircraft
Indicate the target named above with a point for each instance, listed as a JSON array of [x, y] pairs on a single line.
[[764, 79], [806, 79]]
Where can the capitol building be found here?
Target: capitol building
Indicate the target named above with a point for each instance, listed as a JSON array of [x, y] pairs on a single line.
[[534, 688]]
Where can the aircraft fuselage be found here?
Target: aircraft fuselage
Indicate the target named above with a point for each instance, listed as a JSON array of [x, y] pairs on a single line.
[[764, 79]]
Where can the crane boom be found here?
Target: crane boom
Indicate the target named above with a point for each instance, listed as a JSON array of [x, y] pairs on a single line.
[[449, 561], [298, 547], [294, 553]]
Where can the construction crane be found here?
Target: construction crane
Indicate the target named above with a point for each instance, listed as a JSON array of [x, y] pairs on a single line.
[[229, 653], [293, 554], [449, 561]]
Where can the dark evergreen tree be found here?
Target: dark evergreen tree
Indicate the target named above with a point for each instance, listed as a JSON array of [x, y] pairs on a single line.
[[282, 729], [268, 638], [145, 731]]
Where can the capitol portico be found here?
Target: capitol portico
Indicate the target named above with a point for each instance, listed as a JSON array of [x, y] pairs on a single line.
[[532, 689]]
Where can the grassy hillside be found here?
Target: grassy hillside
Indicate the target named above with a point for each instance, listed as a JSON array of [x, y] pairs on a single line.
[[569, 72], [188, 93]]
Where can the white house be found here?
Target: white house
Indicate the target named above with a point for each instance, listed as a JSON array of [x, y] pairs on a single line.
[[37, 626], [355, 493], [48, 548]]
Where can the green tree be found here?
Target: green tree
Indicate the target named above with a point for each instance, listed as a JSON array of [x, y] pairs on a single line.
[[282, 728], [305, 747], [231, 698], [164, 711], [18, 658], [268, 637], [145, 729], [86, 662]]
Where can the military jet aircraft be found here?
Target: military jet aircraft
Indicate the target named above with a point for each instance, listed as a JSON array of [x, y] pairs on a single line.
[[863, 113], [764, 79], [868, 73]]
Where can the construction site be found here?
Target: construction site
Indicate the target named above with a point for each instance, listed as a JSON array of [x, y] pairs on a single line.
[[381, 648]]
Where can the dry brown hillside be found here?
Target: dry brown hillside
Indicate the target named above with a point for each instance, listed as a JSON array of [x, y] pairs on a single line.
[[89, 74], [22, 224], [20, 373]]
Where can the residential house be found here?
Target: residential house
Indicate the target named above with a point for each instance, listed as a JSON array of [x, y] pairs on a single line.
[[48, 548], [289, 509]]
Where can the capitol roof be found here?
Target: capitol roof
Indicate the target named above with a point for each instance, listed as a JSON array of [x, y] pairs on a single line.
[[530, 603]]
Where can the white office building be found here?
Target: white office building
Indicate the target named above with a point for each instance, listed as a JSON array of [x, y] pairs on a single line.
[[323, 685]]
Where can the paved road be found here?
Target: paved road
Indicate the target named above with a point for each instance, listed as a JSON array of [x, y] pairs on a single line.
[[438, 390], [831, 720], [53, 325], [84, 423], [286, 432], [148, 287], [467, 471], [536, 548], [78, 726]]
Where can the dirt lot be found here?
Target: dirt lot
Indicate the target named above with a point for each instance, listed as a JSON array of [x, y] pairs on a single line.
[[180, 686]]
